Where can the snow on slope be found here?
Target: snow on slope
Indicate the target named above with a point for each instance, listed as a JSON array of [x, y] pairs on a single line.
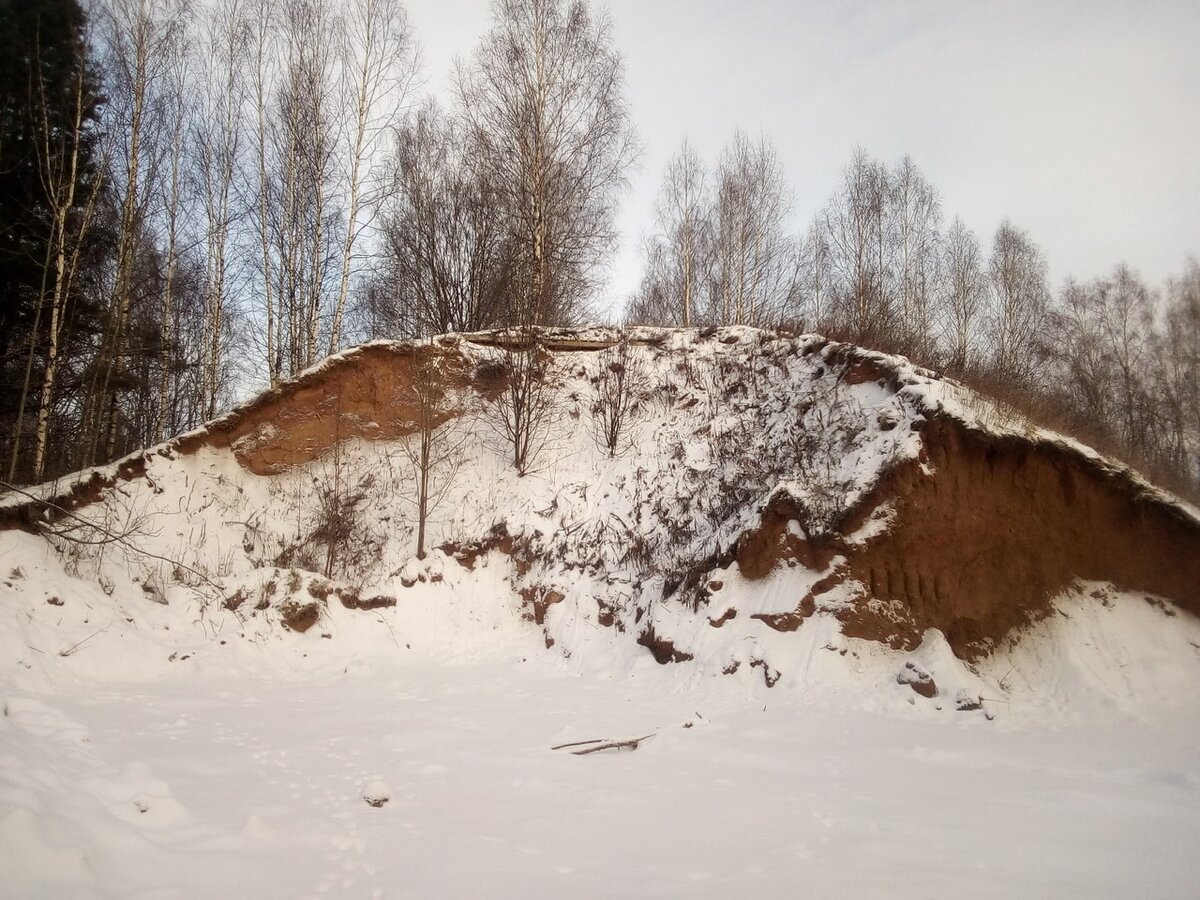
[[166, 735], [602, 558], [715, 435]]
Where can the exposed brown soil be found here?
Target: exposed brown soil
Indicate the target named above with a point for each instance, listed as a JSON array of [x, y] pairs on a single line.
[[980, 545], [723, 618], [351, 600], [1004, 524], [918, 679], [538, 599], [467, 553], [663, 650], [761, 548], [607, 617], [371, 394], [299, 616], [790, 621], [770, 676]]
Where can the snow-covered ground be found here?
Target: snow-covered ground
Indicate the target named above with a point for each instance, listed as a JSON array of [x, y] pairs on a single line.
[[156, 759], [165, 735], [240, 787]]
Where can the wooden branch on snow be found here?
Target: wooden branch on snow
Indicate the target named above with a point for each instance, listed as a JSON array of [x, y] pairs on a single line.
[[603, 744], [577, 744]]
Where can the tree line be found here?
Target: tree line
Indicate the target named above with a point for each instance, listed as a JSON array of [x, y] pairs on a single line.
[[198, 197], [1112, 359], [201, 197], [184, 193]]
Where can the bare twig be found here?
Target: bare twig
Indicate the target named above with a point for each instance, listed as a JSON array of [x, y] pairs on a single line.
[[114, 537], [577, 744], [78, 644], [630, 744]]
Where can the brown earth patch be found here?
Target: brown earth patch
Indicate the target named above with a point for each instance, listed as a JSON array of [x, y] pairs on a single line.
[[770, 676], [979, 546], [607, 615], [760, 548], [860, 366], [663, 650], [730, 613], [789, 621], [538, 599], [1003, 524], [352, 600], [299, 616], [368, 393], [889, 623], [467, 553], [917, 679]]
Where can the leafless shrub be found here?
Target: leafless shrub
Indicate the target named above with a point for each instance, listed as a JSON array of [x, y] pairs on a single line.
[[338, 527], [523, 411], [338, 533], [830, 426], [620, 384]]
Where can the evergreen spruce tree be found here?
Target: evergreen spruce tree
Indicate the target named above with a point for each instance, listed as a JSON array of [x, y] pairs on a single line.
[[43, 56]]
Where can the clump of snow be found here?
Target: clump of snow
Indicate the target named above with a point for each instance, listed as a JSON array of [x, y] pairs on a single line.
[[376, 793], [914, 675]]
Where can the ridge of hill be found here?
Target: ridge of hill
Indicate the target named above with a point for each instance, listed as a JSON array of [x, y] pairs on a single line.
[[770, 494]]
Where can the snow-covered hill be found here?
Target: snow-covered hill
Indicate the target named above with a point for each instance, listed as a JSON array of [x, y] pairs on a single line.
[[789, 537]]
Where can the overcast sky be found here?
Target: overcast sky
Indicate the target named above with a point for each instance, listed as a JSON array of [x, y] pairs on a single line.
[[1080, 121]]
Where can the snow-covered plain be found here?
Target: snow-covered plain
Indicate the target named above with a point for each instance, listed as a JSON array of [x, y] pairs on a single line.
[[163, 736], [208, 780]]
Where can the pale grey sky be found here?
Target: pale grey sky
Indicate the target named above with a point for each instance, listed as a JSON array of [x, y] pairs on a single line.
[[1080, 121]]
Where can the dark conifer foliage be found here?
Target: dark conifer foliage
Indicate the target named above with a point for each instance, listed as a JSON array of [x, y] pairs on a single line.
[[49, 105]]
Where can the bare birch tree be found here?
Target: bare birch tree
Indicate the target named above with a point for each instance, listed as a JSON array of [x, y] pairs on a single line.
[[753, 263], [448, 256], [1180, 378], [378, 66], [855, 223], [684, 227], [218, 142], [1020, 296], [815, 285], [172, 199], [1127, 319], [654, 303], [546, 113], [140, 37], [304, 216], [262, 69], [1079, 351], [916, 213], [964, 296]]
